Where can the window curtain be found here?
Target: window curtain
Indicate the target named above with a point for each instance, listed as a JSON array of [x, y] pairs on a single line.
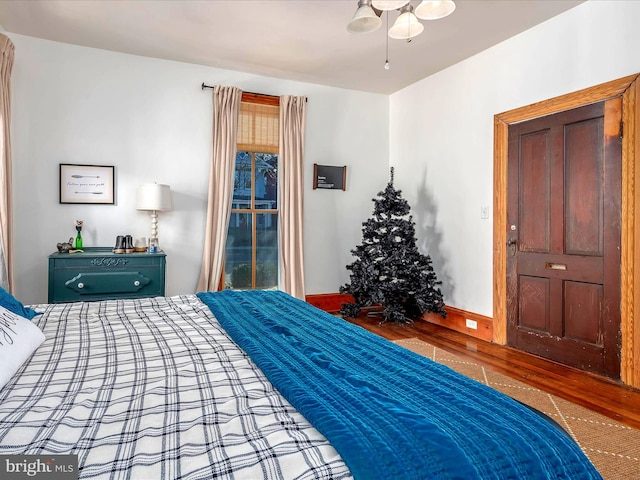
[[226, 108], [291, 156], [6, 208]]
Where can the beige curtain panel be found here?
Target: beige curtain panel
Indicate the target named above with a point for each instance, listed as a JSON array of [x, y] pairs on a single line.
[[291, 157], [226, 108], [6, 204]]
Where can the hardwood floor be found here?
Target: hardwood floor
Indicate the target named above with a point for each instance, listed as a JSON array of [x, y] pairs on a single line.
[[599, 394]]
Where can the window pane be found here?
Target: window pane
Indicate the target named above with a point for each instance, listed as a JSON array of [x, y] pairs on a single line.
[[238, 265], [242, 181], [267, 250], [266, 181]]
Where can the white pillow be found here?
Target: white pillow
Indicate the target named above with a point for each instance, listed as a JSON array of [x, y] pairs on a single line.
[[19, 338]]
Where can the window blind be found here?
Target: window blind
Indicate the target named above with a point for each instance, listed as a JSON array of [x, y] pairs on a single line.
[[258, 126]]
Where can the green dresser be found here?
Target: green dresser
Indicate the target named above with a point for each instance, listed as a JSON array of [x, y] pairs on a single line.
[[100, 274]]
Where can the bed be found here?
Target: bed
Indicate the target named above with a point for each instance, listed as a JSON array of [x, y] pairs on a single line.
[[252, 385]]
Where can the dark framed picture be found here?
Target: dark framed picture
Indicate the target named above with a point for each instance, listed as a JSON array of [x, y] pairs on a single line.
[[87, 184], [329, 177]]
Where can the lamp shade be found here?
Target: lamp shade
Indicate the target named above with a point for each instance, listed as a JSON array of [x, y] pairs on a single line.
[[365, 19], [406, 25], [435, 9], [153, 196], [389, 4]]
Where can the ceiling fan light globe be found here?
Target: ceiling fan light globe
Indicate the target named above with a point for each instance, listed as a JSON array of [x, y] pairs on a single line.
[[435, 9], [389, 4], [406, 26], [364, 20]]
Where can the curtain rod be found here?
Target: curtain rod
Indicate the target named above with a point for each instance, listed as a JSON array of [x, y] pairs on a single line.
[[252, 93]]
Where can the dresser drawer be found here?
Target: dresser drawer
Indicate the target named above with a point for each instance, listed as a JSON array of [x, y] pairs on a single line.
[[98, 274], [119, 262]]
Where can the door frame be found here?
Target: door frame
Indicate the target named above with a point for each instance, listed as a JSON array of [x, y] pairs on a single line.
[[629, 89]]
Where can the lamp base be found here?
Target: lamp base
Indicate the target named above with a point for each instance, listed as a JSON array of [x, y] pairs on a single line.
[[154, 224]]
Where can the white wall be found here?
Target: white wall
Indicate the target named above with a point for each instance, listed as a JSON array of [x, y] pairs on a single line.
[[151, 120], [441, 130]]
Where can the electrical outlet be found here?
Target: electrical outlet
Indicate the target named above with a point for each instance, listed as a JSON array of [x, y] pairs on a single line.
[[472, 324], [484, 212]]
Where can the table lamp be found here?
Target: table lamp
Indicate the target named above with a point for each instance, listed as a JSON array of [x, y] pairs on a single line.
[[153, 197]]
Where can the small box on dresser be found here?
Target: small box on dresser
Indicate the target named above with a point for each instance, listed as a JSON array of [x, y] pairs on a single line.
[[99, 274]]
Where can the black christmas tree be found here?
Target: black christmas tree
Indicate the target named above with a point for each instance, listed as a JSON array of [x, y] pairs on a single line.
[[389, 271]]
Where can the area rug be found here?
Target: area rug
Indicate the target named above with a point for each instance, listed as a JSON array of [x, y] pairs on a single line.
[[613, 448]]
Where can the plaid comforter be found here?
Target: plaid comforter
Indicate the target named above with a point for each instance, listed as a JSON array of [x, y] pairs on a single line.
[[155, 389]]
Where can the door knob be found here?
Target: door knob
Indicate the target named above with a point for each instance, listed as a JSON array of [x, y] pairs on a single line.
[[511, 241]]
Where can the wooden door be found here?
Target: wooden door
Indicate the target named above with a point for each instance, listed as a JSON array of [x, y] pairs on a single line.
[[563, 237]]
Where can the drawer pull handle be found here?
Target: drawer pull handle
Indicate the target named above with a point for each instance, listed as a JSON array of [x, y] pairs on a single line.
[[556, 266], [136, 283], [81, 285]]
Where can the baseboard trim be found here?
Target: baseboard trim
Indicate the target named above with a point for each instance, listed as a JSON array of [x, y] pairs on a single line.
[[456, 318], [329, 302]]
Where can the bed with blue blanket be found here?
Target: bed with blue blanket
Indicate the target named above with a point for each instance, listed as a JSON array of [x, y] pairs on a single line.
[[257, 384]]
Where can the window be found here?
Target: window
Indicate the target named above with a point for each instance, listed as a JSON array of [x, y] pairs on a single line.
[[251, 253]]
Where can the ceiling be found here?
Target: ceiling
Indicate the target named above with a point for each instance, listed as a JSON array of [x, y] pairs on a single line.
[[303, 40]]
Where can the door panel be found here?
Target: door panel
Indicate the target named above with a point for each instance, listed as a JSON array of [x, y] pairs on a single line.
[[563, 231], [534, 307], [583, 169], [583, 304], [534, 193]]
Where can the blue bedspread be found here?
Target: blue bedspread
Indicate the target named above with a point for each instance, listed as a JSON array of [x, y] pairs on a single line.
[[391, 413]]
